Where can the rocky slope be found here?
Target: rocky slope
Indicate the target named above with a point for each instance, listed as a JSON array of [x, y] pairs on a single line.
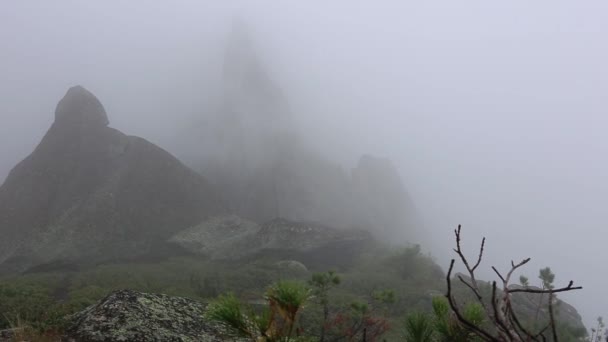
[[90, 192]]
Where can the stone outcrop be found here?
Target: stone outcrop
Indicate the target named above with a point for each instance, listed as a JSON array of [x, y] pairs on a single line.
[[135, 316], [91, 193], [220, 238], [234, 238]]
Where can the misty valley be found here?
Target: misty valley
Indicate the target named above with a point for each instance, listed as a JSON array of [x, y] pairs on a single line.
[[242, 225]]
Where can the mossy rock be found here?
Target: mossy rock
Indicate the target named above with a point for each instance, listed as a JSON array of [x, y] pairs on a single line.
[[134, 316]]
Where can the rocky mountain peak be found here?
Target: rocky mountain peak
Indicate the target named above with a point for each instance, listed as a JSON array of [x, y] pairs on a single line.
[[79, 106], [89, 193]]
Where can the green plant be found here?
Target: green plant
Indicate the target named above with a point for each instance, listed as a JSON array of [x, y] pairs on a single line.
[[275, 322], [228, 310], [419, 327], [449, 328], [321, 284], [285, 299]]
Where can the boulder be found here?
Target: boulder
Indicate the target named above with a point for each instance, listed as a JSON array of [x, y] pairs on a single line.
[[134, 316]]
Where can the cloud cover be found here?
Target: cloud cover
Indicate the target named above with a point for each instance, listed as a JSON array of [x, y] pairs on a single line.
[[494, 112]]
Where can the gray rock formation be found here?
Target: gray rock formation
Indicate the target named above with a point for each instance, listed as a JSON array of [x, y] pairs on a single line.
[[266, 169], [234, 238], [281, 234], [382, 200], [220, 238], [134, 316], [90, 193], [80, 107]]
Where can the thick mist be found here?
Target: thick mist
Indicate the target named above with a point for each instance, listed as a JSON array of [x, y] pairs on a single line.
[[493, 112]]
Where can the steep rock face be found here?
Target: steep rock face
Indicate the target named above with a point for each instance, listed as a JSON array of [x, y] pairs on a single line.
[[266, 169], [382, 200], [89, 192], [289, 182], [134, 316]]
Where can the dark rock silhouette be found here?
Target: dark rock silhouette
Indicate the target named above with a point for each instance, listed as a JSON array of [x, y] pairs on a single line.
[[89, 192]]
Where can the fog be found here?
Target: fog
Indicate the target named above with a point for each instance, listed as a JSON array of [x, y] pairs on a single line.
[[494, 112]]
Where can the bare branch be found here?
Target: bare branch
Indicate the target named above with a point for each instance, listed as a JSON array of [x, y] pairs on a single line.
[[542, 332], [498, 273], [519, 335], [563, 289], [552, 318], [480, 332], [505, 324], [483, 243], [458, 250], [515, 267], [518, 324], [471, 271], [471, 287], [497, 317]]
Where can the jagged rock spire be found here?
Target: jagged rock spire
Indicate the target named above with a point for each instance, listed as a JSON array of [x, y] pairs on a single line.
[[249, 88]]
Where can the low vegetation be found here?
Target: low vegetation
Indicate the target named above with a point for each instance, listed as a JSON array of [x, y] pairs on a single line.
[[387, 294], [490, 311], [42, 300]]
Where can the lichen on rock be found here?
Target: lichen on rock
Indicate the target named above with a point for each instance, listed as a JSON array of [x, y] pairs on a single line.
[[134, 316]]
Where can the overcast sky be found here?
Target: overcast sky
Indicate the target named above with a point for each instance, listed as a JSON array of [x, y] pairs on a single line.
[[495, 112]]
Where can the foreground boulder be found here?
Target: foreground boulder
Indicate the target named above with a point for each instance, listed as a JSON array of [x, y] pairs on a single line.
[[133, 316], [89, 193]]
